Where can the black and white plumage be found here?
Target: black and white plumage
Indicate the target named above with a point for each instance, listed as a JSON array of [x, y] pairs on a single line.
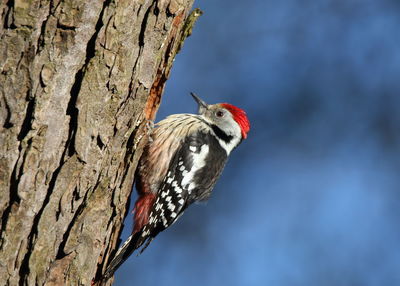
[[180, 166]]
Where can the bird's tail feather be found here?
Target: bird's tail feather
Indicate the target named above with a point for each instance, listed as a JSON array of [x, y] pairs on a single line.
[[130, 245]]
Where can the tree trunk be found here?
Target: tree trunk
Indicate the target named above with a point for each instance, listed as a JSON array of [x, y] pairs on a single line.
[[78, 82]]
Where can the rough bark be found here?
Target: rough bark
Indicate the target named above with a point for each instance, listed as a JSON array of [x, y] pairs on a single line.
[[78, 80]]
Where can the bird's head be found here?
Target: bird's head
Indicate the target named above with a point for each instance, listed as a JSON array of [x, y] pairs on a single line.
[[230, 119]]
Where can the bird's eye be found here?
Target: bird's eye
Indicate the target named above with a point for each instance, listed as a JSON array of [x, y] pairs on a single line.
[[219, 113]]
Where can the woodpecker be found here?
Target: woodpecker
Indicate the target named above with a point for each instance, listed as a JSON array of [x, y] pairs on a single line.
[[180, 166]]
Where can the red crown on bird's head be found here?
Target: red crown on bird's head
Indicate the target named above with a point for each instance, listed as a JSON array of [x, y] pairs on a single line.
[[239, 115]]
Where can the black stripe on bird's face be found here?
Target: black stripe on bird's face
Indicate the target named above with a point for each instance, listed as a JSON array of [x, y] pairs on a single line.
[[221, 134]]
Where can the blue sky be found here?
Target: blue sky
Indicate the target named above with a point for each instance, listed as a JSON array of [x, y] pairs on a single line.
[[312, 197]]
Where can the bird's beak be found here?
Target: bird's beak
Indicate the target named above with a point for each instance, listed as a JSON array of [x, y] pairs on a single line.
[[202, 105]]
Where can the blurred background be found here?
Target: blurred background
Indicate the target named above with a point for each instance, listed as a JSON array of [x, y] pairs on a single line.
[[312, 197]]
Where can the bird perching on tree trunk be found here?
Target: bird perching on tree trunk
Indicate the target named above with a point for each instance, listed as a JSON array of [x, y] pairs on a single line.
[[180, 165]]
